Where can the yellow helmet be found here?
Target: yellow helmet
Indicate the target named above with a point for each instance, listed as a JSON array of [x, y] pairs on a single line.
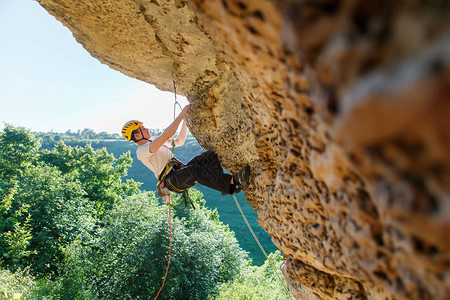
[[129, 127]]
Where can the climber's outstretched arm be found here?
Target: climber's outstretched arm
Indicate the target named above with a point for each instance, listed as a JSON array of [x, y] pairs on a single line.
[[179, 141], [169, 131]]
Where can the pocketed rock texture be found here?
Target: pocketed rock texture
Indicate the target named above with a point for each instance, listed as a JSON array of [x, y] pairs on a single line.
[[340, 107]]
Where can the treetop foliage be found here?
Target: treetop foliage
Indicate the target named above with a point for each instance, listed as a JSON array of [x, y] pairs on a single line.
[[18, 149]]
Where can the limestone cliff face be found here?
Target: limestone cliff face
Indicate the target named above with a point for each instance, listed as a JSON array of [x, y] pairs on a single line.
[[341, 108]]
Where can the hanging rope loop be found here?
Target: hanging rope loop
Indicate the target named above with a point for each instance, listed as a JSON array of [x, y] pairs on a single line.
[[262, 249], [170, 245]]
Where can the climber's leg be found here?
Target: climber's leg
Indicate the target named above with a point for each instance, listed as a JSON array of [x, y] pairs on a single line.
[[208, 159], [186, 177]]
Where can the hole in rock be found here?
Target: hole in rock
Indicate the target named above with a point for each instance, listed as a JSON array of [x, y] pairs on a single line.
[[258, 14], [242, 5]]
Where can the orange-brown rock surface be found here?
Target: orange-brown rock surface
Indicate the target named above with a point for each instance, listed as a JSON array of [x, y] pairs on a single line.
[[342, 109]]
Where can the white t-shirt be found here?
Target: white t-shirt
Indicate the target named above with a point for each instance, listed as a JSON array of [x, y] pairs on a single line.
[[154, 161]]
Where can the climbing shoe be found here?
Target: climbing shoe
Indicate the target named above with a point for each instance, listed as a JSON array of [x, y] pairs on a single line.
[[242, 178]]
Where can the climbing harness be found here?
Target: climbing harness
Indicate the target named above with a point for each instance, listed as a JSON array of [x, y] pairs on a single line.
[[165, 186], [162, 185], [261, 247]]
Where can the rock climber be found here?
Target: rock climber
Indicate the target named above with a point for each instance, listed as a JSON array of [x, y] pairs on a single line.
[[154, 152]]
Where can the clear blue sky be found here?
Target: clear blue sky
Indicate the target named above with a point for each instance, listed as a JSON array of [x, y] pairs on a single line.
[[49, 82]]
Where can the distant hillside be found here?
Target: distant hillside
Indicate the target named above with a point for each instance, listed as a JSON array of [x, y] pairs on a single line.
[[229, 213]]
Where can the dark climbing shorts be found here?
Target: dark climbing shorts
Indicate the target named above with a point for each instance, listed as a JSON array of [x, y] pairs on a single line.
[[204, 168]]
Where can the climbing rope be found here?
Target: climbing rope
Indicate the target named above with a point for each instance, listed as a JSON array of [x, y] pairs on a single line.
[[174, 113], [262, 249], [176, 102], [170, 245], [170, 214]]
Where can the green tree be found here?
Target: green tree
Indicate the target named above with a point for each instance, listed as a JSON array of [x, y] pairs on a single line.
[[259, 283], [18, 240], [47, 211], [99, 173], [129, 257], [18, 149], [88, 134], [41, 208], [16, 285]]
